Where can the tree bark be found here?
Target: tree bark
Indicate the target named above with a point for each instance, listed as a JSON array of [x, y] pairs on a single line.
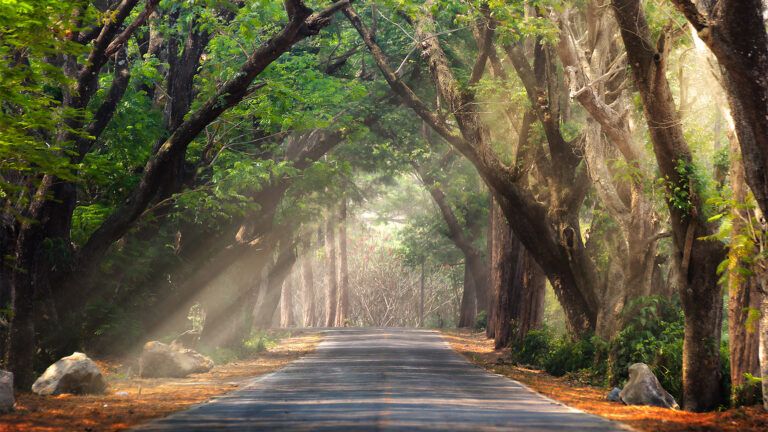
[[308, 286], [534, 284], [342, 308], [286, 258], [493, 293], [696, 258], [764, 346], [467, 308], [743, 293], [520, 286], [331, 293], [506, 263], [286, 303]]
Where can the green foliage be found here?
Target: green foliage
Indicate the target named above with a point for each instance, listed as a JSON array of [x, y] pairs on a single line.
[[653, 334], [258, 341], [749, 393], [569, 356], [481, 320], [30, 90], [558, 355], [536, 347]]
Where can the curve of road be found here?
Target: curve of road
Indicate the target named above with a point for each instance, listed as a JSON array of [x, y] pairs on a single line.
[[382, 380]]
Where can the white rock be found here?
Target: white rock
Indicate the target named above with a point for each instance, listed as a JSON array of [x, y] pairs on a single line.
[[161, 360], [643, 388], [6, 391], [74, 374]]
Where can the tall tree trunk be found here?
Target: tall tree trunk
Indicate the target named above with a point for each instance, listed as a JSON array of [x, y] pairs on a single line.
[[696, 258], [506, 263], [520, 285], [743, 293], [22, 343], [270, 301], [764, 345], [467, 309], [330, 275], [493, 292], [421, 296], [534, 284], [308, 286], [342, 308], [286, 303]]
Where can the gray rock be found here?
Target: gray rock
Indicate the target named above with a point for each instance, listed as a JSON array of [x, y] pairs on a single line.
[[643, 388], [613, 396], [160, 360], [6, 391], [74, 374]]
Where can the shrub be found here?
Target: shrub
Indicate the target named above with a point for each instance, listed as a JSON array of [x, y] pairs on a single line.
[[653, 335], [481, 320], [570, 356], [258, 341], [749, 393], [535, 348]]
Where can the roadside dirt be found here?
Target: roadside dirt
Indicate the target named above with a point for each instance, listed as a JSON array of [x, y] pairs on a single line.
[[479, 350], [130, 401]]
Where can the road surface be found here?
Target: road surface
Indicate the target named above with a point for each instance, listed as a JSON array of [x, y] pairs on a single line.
[[382, 380]]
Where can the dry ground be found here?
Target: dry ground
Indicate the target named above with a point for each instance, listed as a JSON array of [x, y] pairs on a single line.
[[479, 350], [146, 398]]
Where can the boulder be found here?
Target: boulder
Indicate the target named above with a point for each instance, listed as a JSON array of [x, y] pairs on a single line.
[[6, 391], [613, 395], [74, 374], [160, 360], [643, 388]]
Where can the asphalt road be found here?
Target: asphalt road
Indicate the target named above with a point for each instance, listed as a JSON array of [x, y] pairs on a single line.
[[382, 380]]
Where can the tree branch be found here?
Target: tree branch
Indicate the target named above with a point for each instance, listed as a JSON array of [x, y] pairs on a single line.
[[697, 19]]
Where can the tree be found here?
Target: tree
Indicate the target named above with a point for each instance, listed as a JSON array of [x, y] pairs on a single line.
[[50, 219], [696, 257], [331, 277], [474, 298], [519, 285], [735, 32], [551, 237]]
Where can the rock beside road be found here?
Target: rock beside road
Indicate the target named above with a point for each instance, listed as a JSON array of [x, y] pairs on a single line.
[[159, 360], [6, 391], [613, 395], [643, 388], [76, 374]]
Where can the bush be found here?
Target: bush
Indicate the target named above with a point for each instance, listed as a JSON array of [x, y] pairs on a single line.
[[481, 320], [653, 335], [571, 356], [749, 393], [258, 341], [535, 348]]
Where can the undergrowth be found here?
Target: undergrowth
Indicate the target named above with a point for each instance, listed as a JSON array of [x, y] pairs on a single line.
[[652, 334]]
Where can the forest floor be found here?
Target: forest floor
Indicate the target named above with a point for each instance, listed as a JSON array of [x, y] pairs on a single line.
[[476, 348], [130, 401]]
